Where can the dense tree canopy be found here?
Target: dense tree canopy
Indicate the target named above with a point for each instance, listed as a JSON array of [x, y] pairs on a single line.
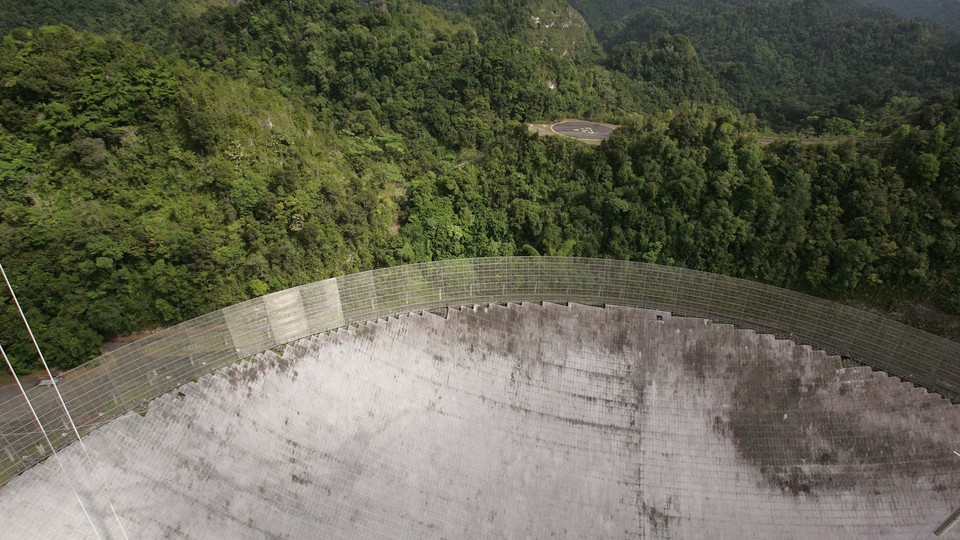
[[693, 187], [785, 60], [137, 192], [189, 155]]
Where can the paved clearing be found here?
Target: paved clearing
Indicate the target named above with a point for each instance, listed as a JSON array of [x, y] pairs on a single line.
[[582, 130]]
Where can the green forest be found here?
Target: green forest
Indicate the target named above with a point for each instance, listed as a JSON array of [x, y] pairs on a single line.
[[160, 159]]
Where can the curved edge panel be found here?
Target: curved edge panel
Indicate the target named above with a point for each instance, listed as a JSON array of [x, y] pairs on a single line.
[[125, 379]]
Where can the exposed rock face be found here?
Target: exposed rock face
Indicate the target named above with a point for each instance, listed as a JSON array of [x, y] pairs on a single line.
[[557, 27], [516, 421]]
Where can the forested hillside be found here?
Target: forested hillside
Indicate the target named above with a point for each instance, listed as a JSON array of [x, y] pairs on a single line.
[[137, 192], [166, 158], [944, 12], [789, 60]]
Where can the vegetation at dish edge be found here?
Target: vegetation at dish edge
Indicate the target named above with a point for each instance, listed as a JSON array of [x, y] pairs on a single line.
[[191, 154]]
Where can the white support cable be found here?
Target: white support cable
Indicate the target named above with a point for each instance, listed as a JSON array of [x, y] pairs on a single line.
[[43, 360], [53, 450], [63, 404]]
